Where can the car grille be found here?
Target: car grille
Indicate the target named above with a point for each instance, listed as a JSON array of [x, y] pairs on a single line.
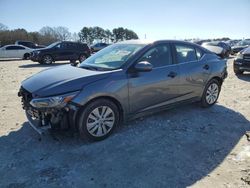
[[26, 98], [247, 57]]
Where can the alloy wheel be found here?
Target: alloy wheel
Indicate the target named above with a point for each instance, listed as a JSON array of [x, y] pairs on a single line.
[[212, 93], [47, 59]]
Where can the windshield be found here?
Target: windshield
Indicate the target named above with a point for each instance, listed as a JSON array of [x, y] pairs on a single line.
[[112, 57], [53, 44]]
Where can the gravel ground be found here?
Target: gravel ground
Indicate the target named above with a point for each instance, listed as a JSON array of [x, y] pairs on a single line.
[[185, 146]]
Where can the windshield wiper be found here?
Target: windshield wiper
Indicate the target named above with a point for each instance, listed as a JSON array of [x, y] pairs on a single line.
[[94, 68], [88, 67]]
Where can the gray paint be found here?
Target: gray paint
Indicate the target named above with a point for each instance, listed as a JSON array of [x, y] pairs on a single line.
[[135, 91]]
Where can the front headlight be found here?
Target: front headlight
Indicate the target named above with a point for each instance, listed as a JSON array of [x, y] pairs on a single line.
[[239, 56], [53, 102]]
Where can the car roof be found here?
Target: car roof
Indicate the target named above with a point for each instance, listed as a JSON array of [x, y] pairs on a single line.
[[14, 45], [145, 41], [64, 41]]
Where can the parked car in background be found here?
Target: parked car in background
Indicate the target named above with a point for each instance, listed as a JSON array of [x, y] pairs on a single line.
[[15, 51], [29, 44], [125, 80], [97, 47], [240, 46], [232, 42], [60, 51], [242, 61], [200, 42], [220, 48]]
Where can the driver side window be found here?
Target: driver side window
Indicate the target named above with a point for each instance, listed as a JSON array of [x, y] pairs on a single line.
[[158, 56]]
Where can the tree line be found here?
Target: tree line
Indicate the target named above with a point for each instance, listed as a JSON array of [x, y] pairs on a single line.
[[47, 35]]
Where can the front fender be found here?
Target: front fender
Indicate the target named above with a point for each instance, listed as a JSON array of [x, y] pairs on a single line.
[[115, 87]]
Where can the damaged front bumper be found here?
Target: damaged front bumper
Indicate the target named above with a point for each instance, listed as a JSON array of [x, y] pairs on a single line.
[[54, 118], [36, 124]]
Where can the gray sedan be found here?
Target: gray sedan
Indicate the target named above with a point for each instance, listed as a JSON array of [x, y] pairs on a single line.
[[123, 81]]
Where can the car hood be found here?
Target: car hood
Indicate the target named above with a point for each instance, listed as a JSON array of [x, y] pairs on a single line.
[[41, 49], [246, 51], [61, 79]]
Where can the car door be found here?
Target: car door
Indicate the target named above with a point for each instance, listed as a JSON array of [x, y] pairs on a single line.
[[159, 87], [194, 71], [59, 52], [74, 51], [21, 51], [65, 51], [11, 52]]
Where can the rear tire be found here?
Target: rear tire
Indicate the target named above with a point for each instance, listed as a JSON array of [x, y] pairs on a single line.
[[211, 93], [98, 119], [73, 62], [26, 56], [82, 58]]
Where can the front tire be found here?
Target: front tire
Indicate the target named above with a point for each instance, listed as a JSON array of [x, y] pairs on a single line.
[[47, 59], [98, 119], [210, 93], [26, 56]]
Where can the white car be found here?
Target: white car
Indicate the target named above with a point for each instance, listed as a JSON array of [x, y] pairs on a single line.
[[15, 51]]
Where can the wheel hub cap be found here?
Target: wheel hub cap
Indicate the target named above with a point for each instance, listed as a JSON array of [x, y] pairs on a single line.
[[212, 93], [100, 121]]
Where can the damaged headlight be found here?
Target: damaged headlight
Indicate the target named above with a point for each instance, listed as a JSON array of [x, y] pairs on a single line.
[[53, 102]]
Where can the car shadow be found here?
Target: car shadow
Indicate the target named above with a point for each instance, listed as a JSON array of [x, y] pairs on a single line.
[[14, 59], [43, 65], [245, 77], [175, 148]]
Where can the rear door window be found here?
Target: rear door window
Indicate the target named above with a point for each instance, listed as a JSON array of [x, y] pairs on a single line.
[[15, 48], [185, 53]]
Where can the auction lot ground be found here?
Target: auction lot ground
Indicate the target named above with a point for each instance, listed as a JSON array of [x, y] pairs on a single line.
[[186, 146]]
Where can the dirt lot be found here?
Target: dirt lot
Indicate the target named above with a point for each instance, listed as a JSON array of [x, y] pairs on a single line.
[[186, 146]]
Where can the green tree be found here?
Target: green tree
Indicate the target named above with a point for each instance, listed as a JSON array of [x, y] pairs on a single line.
[[121, 34], [108, 36], [85, 35]]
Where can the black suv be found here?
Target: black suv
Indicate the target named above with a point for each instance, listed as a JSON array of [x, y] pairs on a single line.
[[29, 44], [242, 61], [60, 51]]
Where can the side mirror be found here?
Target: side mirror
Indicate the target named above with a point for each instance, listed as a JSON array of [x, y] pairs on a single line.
[[143, 66]]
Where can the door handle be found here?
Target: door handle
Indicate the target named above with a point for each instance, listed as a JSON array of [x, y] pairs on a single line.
[[206, 67], [172, 74]]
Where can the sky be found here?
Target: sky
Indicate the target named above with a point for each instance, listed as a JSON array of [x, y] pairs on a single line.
[[151, 19]]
